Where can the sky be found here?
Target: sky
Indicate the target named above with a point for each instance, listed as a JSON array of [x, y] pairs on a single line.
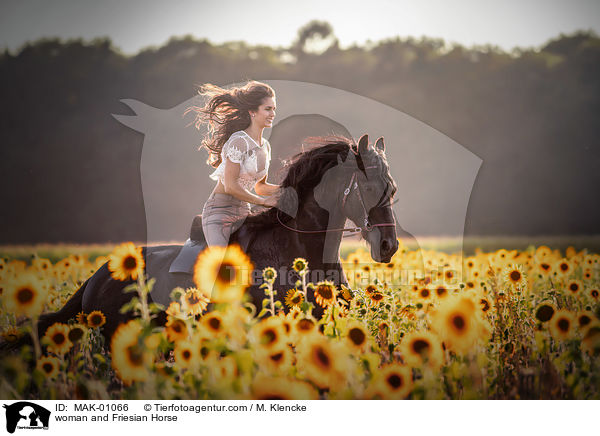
[[136, 24]]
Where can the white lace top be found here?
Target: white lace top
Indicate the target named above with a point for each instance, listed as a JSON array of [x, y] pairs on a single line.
[[253, 159]]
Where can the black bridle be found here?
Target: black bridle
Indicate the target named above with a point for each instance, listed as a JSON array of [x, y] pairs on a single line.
[[367, 225]]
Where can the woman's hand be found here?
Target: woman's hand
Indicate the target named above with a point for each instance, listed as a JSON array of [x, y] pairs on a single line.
[[271, 200]]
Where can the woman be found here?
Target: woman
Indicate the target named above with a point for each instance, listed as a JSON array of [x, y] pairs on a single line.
[[236, 119]]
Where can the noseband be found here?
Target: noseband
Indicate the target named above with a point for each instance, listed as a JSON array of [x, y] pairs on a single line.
[[367, 225]]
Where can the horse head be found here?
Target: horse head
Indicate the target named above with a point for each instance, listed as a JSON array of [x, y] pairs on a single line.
[[361, 188]]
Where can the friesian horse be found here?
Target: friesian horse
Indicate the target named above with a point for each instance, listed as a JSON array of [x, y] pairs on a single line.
[[335, 180]]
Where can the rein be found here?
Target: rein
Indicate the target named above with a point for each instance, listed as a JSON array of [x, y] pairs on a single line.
[[367, 225]]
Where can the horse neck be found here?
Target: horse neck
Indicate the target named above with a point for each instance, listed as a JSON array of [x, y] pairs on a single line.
[[311, 216]]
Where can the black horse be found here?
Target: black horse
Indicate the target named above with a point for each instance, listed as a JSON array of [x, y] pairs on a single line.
[[330, 182]]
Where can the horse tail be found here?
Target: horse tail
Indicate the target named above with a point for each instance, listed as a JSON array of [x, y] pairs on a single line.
[[68, 311]]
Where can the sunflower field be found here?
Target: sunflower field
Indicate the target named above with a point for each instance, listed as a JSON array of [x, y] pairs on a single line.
[[520, 324]]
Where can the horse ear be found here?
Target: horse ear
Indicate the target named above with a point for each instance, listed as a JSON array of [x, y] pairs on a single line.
[[380, 145], [363, 143]]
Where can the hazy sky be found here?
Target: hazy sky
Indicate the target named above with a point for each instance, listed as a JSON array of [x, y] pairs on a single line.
[[134, 24]]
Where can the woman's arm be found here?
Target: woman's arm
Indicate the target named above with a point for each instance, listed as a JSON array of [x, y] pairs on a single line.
[[233, 188], [264, 188]]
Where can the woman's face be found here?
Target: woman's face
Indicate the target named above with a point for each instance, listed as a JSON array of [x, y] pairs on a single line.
[[265, 114]]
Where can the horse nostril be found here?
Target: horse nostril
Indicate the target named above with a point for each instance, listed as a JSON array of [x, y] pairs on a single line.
[[385, 246]]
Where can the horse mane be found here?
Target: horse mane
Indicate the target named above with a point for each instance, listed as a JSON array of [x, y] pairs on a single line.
[[304, 173]]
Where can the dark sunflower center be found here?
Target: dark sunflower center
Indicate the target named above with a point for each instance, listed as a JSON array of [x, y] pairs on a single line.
[[563, 325], [75, 334], [545, 266], [564, 267], [226, 272], [47, 367], [305, 324], [58, 338], [544, 313], [377, 296], [574, 287], [420, 346], [424, 292], [485, 305], [129, 263], [269, 336], [322, 357], [95, 319], [357, 336], [186, 354], [134, 355], [584, 320], [441, 291], [215, 323], [277, 357], [25, 295], [515, 276], [459, 322], [296, 299], [193, 299], [595, 293], [325, 292], [395, 381]]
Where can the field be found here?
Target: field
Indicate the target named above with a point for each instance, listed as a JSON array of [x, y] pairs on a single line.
[[518, 322]]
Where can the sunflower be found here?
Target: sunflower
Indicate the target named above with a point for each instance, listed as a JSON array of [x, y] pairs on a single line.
[[588, 274], [275, 360], [130, 359], [213, 323], [269, 274], [515, 276], [544, 268], [392, 382], [356, 335], [563, 268], [585, 319], [591, 340], [81, 318], [282, 388], [376, 297], [457, 323], [76, 333], [424, 294], [194, 302], [293, 298], [422, 347], [49, 366], [187, 355], [545, 311], [57, 338], [268, 333], [325, 293], [594, 293], [96, 319], [223, 273], [562, 325], [574, 287], [126, 262], [176, 329], [303, 327], [24, 295], [299, 264], [323, 362]]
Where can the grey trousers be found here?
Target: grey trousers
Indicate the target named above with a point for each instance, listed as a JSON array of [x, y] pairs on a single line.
[[221, 216]]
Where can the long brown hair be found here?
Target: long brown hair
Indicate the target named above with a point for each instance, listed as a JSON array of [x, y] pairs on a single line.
[[226, 111]]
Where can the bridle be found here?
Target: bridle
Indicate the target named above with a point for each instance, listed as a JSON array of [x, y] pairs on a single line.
[[367, 225]]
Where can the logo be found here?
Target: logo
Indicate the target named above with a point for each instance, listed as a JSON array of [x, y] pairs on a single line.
[[26, 415]]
